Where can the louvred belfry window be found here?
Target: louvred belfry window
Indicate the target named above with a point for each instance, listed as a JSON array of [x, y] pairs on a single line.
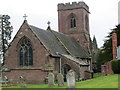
[[72, 22], [26, 52], [86, 22]]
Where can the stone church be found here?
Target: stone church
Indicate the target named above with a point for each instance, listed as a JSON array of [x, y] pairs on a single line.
[[35, 52]]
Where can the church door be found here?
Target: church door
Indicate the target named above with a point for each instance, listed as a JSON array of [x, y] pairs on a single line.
[[66, 68]]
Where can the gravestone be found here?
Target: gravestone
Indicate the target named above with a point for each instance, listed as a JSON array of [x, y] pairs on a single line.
[[22, 82], [60, 80], [51, 78], [55, 74], [5, 80], [0, 81], [71, 83]]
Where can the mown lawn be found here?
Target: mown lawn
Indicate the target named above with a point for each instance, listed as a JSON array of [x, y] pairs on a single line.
[[110, 81]]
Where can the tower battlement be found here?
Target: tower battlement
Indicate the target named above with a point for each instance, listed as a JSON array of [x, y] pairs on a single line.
[[73, 5]]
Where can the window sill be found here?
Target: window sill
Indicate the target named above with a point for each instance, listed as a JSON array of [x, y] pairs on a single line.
[[26, 68], [32, 68]]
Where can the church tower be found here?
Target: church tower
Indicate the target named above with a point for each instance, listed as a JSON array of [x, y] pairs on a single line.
[[73, 20]]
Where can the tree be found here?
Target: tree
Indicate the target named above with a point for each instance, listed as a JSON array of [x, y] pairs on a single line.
[[95, 53], [6, 31], [106, 50], [118, 34]]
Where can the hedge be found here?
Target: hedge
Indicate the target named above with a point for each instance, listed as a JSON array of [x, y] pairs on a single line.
[[116, 66]]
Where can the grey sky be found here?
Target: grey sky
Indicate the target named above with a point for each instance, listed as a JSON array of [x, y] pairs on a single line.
[[103, 17]]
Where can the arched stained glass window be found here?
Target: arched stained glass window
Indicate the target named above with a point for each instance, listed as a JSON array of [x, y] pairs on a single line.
[[26, 52]]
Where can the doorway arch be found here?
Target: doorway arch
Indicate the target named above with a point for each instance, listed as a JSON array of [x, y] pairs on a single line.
[[66, 68]]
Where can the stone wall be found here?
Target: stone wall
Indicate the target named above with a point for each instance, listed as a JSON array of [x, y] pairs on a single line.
[[39, 52], [37, 71], [73, 5], [106, 69], [81, 32], [79, 70], [31, 75]]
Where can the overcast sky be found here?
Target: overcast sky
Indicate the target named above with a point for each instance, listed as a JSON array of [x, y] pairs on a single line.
[[103, 17]]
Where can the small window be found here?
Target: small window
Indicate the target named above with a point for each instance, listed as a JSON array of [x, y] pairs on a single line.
[[72, 22], [26, 52], [86, 22]]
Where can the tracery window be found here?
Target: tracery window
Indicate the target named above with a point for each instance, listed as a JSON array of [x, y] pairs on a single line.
[[26, 52], [72, 22]]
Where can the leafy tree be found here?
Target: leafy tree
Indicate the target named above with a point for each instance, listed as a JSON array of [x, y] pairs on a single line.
[[6, 31]]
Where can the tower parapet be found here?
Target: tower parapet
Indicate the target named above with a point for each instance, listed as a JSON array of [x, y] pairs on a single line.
[[73, 5], [73, 20]]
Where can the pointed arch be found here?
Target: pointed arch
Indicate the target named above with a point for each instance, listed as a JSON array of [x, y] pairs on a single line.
[[72, 20], [65, 68], [25, 52]]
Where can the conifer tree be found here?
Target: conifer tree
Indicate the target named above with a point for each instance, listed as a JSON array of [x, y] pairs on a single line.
[[106, 50], [6, 31]]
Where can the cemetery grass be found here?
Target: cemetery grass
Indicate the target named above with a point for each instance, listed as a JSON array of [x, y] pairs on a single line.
[[110, 81]]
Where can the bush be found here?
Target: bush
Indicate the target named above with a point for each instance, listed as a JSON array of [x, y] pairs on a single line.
[[116, 66]]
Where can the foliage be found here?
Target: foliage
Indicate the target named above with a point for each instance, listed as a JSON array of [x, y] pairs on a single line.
[[118, 34], [98, 60], [6, 31], [116, 66], [105, 53]]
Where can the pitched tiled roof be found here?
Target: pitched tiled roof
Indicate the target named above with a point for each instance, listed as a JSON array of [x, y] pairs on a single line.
[[72, 45], [58, 42], [48, 40], [75, 59]]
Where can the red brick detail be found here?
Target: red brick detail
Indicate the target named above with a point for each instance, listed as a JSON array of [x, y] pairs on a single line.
[[80, 33], [107, 69], [114, 45], [40, 58], [32, 76], [103, 70]]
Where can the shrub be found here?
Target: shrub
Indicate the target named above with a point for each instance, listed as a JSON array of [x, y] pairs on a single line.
[[116, 66]]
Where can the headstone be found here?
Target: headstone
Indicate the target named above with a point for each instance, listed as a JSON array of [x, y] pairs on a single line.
[[55, 74], [60, 80], [5, 80], [71, 83], [88, 74], [51, 80], [46, 79], [0, 81], [22, 82]]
